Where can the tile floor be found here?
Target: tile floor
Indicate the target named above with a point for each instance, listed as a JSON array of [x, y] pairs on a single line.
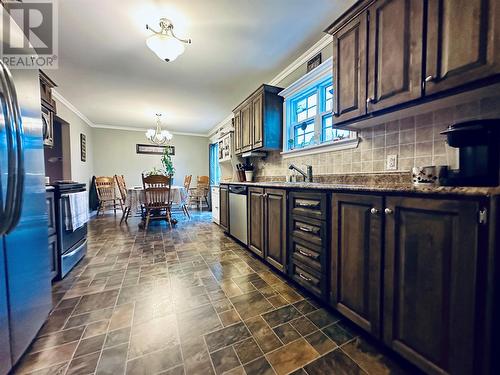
[[189, 301]]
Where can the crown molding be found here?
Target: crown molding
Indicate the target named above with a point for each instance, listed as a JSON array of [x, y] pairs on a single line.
[[319, 73], [302, 59], [220, 125], [136, 129], [72, 108]]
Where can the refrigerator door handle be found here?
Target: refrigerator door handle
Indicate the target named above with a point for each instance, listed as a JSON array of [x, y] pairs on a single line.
[[10, 194], [19, 174]]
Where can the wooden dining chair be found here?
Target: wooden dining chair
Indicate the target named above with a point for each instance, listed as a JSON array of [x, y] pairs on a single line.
[[106, 194], [157, 200], [122, 189], [185, 201], [199, 193]]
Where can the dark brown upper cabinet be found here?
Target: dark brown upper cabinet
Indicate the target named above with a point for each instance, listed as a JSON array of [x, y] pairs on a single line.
[[463, 42], [395, 53], [257, 122], [260, 121], [432, 268], [224, 207], [246, 127], [390, 53], [356, 259], [237, 133], [349, 69]]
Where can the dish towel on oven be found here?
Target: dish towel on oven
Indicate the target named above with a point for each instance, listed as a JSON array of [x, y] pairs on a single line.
[[76, 212]]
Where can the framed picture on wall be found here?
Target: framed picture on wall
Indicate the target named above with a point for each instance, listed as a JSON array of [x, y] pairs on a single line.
[[83, 147], [153, 149], [314, 62]]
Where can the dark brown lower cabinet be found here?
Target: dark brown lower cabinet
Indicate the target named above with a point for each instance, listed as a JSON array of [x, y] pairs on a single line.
[[275, 252], [431, 285], [267, 225], [356, 258], [256, 220], [224, 207]]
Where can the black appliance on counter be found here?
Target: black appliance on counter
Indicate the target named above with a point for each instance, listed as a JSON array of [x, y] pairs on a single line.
[[479, 156], [72, 245]]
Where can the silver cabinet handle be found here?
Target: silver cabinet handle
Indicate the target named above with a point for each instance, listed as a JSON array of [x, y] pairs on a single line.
[[307, 205], [303, 277], [388, 211], [306, 254], [370, 100], [305, 229], [374, 211], [430, 78]]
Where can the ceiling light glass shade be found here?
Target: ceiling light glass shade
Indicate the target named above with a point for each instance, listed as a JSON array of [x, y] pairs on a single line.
[[165, 46]]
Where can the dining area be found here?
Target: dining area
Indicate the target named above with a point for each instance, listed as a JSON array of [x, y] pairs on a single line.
[[158, 198]]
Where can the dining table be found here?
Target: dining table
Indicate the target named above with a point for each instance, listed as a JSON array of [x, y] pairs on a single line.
[[136, 197]]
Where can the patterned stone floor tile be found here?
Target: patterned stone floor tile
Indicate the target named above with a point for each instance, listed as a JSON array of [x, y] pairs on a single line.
[[189, 301], [291, 356]]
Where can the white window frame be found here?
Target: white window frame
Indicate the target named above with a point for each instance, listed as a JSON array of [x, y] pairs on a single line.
[[294, 92]]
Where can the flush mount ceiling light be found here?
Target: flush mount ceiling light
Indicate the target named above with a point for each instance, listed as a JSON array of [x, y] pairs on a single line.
[[157, 136], [164, 43]]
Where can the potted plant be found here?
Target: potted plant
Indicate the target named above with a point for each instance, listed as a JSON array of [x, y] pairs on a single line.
[[168, 165], [248, 168]]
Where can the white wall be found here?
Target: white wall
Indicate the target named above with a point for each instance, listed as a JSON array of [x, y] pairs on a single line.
[[115, 153], [80, 171]]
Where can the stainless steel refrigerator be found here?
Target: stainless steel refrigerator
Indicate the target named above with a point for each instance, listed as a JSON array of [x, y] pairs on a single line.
[[25, 288]]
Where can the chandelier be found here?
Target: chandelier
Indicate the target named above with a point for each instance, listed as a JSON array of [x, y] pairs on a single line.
[[164, 43], [157, 136]]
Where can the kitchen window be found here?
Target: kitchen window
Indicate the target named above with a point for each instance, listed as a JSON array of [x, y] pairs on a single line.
[[309, 123]]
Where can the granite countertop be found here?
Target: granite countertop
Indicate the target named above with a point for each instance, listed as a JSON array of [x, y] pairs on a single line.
[[381, 188]]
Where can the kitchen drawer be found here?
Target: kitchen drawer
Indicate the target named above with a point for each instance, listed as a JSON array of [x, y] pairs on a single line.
[[308, 254], [307, 229], [308, 204], [312, 281]]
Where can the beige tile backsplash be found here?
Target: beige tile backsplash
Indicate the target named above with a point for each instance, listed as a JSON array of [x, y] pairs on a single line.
[[415, 139]]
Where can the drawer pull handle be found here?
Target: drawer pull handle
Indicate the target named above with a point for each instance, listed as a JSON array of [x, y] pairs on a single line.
[[307, 205], [388, 211], [309, 255], [374, 211], [305, 229], [303, 277]]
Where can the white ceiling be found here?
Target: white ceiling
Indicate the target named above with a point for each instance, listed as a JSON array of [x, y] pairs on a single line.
[[108, 73]]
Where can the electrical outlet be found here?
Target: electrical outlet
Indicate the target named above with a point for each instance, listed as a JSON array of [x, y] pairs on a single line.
[[392, 162]]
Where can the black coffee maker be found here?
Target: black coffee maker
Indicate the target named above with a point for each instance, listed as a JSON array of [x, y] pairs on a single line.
[[479, 156]]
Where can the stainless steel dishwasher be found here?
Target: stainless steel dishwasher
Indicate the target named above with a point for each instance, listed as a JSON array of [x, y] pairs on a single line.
[[238, 212]]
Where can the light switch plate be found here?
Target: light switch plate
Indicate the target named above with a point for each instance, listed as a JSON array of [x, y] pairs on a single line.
[[392, 162]]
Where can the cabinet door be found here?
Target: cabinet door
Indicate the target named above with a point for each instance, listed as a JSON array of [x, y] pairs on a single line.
[[53, 258], [275, 252], [349, 70], [237, 132], [246, 127], [224, 207], [257, 127], [430, 276], [256, 220], [462, 42], [395, 53], [356, 261]]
